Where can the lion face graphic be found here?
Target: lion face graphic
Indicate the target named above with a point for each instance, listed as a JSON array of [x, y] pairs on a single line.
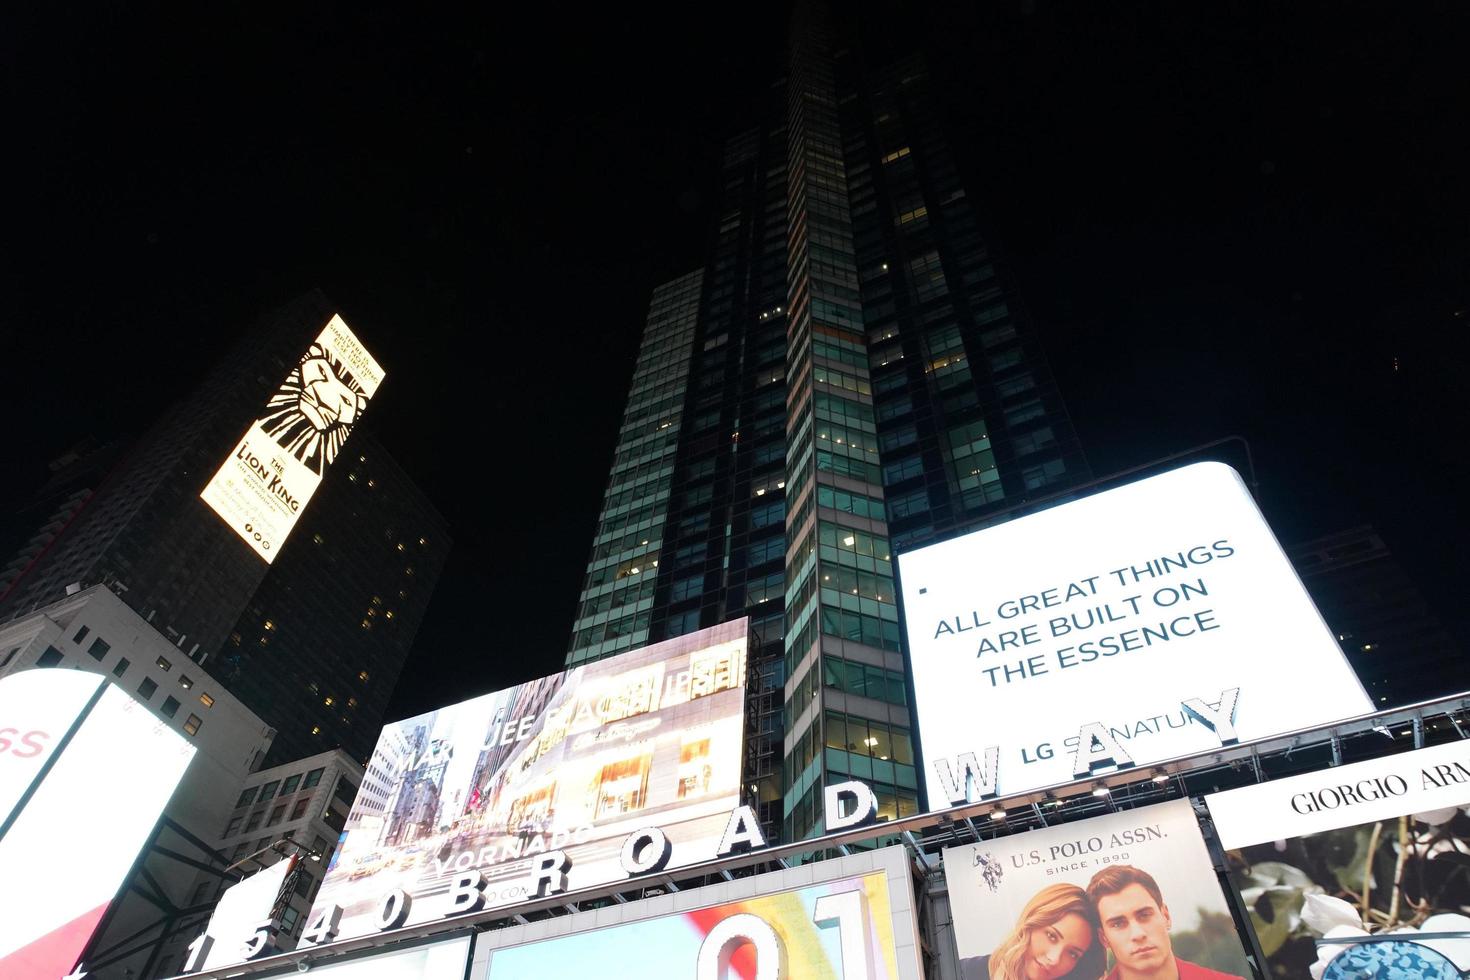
[[312, 413]]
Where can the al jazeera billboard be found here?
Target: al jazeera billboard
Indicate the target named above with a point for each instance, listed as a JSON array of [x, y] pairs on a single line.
[[616, 767], [265, 484], [1155, 620]]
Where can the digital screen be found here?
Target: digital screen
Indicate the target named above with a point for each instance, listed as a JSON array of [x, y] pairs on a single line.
[[1364, 849], [1127, 894], [1077, 635], [74, 840], [851, 928], [575, 762], [265, 484]]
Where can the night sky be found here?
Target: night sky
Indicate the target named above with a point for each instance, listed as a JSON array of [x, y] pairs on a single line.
[[1244, 220]]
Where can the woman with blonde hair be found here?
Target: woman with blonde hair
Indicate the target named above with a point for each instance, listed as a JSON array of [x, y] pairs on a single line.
[[1055, 937]]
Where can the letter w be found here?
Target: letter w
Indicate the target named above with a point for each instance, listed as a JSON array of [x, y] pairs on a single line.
[[972, 778]]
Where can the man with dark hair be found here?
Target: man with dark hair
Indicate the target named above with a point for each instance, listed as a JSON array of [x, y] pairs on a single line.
[[1135, 924]]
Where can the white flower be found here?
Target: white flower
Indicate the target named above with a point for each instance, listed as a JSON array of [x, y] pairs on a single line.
[[1322, 913]]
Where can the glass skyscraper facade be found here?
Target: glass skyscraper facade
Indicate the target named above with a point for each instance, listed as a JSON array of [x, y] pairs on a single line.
[[851, 373]]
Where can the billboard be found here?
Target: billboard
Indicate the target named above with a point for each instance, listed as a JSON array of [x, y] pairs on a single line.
[[1151, 621], [566, 766], [1127, 894], [241, 926], [849, 927], [1368, 848], [71, 827], [263, 487]]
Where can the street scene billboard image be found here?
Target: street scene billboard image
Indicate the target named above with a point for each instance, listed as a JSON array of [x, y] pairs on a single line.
[[1370, 848], [575, 762], [858, 927], [85, 772], [264, 485], [1127, 894], [1155, 620]]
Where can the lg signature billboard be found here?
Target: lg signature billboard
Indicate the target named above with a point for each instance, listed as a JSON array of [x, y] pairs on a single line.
[[85, 771], [1155, 620], [568, 765], [844, 925], [263, 487]]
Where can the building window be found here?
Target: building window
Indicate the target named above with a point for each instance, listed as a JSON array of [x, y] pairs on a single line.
[[269, 790], [164, 664], [146, 689], [170, 707], [312, 778], [246, 797], [121, 667], [185, 681], [289, 918], [277, 815], [234, 827], [303, 885], [291, 784], [206, 700], [192, 725], [299, 810], [99, 648], [81, 635], [254, 821], [50, 658]]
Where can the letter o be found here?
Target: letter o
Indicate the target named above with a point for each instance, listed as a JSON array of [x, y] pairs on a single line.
[[728, 936], [393, 909], [645, 851]]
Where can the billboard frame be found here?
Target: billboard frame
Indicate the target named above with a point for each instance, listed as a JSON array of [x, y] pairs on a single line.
[[1246, 763]]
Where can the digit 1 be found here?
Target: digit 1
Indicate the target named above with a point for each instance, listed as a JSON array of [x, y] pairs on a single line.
[[198, 953], [849, 911], [729, 935]]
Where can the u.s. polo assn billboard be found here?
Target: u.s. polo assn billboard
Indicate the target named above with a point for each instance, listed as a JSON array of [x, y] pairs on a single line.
[[615, 767], [1151, 621]]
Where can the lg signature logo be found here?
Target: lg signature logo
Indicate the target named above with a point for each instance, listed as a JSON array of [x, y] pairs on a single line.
[[22, 745]]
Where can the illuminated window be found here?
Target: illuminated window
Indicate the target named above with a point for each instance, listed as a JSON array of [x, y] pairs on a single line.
[[192, 725], [400, 546], [164, 664], [328, 701], [389, 614], [362, 675], [316, 538], [185, 681], [367, 625], [206, 700], [897, 154], [423, 541], [352, 702], [316, 729], [377, 600], [270, 624]]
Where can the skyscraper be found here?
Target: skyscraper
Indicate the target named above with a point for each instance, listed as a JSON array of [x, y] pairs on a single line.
[[313, 641], [850, 372]]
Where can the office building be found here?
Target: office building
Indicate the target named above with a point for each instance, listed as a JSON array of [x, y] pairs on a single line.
[[850, 373], [312, 641], [1397, 645], [95, 631]]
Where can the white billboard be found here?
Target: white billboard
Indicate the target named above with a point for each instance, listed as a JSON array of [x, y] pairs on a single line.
[[263, 487], [241, 926], [111, 767], [1151, 621], [539, 788]]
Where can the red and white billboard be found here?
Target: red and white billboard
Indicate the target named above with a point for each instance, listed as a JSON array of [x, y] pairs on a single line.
[[85, 771]]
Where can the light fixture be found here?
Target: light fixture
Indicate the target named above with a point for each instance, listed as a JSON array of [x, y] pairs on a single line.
[[1101, 789], [849, 540], [870, 740], [998, 814], [1160, 776]]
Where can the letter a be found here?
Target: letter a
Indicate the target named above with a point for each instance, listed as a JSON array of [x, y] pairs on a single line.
[[1096, 749], [742, 833]]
